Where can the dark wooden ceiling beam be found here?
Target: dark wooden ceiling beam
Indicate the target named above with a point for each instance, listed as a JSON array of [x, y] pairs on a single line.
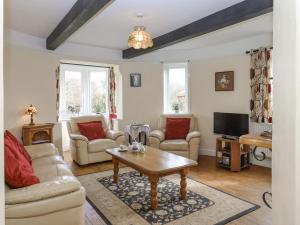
[[234, 14], [79, 14]]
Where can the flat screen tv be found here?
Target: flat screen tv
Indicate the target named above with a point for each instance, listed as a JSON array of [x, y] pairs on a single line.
[[231, 124]]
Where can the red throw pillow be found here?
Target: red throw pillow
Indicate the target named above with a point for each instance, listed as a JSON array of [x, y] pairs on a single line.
[[14, 141], [18, 171], [177, 128], [92, 130]]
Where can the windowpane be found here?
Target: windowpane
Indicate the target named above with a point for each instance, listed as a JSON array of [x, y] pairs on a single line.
[[98, 91], [84, 90], [177, 90], [73, 100]]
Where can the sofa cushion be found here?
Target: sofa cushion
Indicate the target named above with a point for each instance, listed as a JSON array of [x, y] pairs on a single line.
[[51, 172], [163, 119], [100, 145], [46, 207], [17, 145], [59, 186], [177, 128], [92, 130], [82, 119], [41, 150], [174, 145], [18, 170], [46, 161]]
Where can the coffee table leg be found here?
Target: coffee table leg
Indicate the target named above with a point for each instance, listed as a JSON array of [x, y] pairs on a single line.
[[153, 182], [116, 169], [183, 184]]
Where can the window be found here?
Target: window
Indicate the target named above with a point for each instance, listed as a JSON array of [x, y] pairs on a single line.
[[176, 92], [83, 90]]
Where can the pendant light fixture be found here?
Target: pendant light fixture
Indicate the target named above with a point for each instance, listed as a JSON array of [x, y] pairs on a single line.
[[139, 38]]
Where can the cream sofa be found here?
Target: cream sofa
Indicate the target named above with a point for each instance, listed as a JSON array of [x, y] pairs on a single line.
[[188, 147], [58, 199], [84, 151]]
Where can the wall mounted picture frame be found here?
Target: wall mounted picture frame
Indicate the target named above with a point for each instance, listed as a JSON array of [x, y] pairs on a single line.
[[135, 80], [224, 81]]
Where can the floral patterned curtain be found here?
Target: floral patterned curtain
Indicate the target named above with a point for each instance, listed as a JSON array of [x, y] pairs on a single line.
[[261, 86], [57, 74], [112, 96]]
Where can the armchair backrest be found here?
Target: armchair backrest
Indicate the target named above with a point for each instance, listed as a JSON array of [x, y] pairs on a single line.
[[163, 119], [73, 127]]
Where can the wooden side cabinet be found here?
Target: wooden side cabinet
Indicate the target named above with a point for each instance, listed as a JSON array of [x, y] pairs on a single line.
[[37, 134], [229, 154]]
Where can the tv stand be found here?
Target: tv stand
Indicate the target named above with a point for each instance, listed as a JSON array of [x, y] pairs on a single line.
[[228, 137], [229, 154]]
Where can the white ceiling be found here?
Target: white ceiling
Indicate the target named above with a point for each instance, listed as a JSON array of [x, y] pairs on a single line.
[[110, 28], [35, 17]]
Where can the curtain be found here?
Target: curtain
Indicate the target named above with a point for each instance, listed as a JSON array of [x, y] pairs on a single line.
[[112, 96], [57, 75], [261, 86]]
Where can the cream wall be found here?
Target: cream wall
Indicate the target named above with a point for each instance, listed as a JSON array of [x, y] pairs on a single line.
[[205, 100], [30, 78], [145, 103]]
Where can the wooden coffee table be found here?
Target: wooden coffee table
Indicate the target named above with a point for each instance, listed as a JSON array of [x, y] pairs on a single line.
[[153, 163]]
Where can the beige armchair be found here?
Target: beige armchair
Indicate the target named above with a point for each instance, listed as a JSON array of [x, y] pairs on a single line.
[[188, 147], [84, 151]]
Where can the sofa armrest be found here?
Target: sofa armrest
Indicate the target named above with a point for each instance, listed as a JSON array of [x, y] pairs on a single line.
[[78, 137], [41, 150], [114, 134], [62, 185], [158, 134], [193, 134]]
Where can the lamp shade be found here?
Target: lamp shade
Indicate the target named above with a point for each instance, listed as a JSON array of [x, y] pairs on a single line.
[[139, 38], [31, 110]]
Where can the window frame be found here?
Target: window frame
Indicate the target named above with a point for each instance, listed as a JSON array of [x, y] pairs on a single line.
[[86, 101], [167, 67]]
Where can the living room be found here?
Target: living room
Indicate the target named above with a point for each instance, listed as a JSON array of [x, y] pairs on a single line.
[[167, 103]]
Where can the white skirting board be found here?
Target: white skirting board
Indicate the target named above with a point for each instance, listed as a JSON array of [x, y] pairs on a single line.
[[209, 152], [266, 163]]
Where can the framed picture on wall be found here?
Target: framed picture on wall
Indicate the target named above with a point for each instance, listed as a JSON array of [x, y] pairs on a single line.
[[135, 80], [224, 81]]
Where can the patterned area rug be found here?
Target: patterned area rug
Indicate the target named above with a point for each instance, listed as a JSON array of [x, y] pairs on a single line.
[[128, 202]]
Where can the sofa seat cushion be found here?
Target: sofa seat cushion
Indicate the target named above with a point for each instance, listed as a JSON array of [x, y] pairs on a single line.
[[46, 161], [58, 186], [174, 145], [46, 206], [51, 172], [100, 145]]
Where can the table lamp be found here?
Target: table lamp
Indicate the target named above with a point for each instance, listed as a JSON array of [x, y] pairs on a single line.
[[30, 110]]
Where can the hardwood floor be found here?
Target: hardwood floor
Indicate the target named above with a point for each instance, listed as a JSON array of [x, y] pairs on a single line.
[[248, 184]]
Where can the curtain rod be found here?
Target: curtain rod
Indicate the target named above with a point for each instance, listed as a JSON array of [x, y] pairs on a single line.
[[256, 50], [108, 67]]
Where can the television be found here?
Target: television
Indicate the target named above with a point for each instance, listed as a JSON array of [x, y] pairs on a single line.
[[231, 124]]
